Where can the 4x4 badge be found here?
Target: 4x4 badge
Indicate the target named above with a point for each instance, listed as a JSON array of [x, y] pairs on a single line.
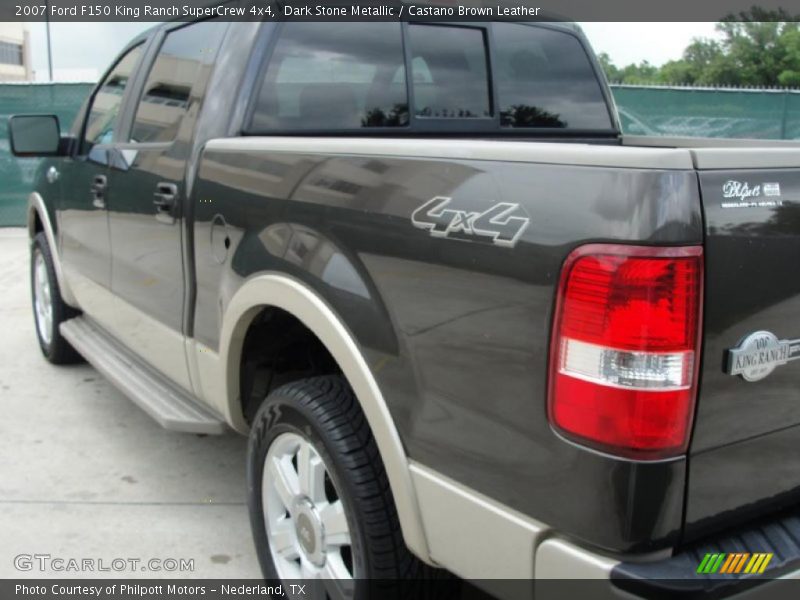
[[503, 223], [759, 354]]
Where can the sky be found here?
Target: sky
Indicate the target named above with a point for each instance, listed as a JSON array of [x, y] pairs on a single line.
[[656, 43], [82, 51]]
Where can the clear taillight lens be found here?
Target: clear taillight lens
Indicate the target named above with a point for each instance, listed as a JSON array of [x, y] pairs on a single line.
[[625, 348]]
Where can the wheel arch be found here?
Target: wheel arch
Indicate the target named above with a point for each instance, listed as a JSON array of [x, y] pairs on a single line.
[[39, 220], [286, 293]]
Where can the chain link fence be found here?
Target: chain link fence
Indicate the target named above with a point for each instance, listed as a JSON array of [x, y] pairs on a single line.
[[16, 174], [671, 111]]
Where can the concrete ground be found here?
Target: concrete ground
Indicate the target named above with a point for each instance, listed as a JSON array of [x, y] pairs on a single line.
[[84, 473]]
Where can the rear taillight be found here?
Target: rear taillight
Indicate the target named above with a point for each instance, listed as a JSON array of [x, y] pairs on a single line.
[[625, 348]]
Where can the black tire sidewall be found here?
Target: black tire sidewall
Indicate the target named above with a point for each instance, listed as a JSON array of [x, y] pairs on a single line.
[[40, 246], [280, 414], [58, 351]]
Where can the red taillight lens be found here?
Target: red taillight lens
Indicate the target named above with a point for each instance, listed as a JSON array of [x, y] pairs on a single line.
[[625, 347]]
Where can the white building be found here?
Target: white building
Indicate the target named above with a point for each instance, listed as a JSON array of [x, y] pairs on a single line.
[[15, 54]]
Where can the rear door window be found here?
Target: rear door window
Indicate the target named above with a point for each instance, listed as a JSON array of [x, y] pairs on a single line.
[[545, 80], [334, 76], [449, 69]]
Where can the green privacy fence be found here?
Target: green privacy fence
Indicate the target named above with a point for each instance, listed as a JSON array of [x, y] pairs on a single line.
[[681, 111], [16, 175], [709, 112]]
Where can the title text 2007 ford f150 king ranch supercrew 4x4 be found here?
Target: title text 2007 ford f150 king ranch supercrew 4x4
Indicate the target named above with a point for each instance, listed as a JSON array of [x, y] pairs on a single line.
[[465, 322]]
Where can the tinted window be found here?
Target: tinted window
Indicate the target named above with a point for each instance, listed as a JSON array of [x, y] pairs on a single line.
[[334, 76], [104, 111], [449, 72], [545, 79], [184, 60]]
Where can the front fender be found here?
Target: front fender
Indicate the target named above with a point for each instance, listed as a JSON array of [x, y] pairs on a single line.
[[37, 212]]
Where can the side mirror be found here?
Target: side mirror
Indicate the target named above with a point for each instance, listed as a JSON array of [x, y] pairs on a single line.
[[34, 135]]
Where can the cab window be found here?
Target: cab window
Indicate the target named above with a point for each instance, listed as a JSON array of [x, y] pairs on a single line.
[[178, 75], [334, 76], [449, 72], [545, 80]]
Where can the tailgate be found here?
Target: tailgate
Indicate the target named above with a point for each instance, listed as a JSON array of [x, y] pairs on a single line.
[[745, 450]]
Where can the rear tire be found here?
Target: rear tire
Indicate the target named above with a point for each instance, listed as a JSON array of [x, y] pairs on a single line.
[[49, 309], [300, 533]]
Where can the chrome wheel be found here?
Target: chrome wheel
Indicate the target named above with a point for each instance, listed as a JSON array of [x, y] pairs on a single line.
[[42, 298], [307, 529]]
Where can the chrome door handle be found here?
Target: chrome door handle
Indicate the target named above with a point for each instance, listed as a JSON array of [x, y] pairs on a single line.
[[98, 191], [165, 196]]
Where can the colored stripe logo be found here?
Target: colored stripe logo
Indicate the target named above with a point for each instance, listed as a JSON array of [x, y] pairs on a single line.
[[734, 562]]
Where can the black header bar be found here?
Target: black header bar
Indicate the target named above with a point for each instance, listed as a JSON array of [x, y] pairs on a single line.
[[393, 10]]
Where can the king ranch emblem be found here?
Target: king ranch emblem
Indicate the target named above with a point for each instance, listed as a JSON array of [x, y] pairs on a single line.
[[758, 355]]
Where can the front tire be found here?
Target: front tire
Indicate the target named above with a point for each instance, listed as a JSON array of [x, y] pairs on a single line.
[[320, 504], [49, 309]]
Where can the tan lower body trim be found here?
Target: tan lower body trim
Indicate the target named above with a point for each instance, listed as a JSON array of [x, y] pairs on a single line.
[[559, 559], [472, 535], [484, 541], [157, 344]]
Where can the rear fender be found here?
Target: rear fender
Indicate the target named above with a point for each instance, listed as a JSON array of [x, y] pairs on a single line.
[[289, 294]]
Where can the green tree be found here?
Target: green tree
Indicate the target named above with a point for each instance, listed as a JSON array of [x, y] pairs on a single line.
[[756, 48], [790, 75], [612, 72], [642, 74], [677, 72]]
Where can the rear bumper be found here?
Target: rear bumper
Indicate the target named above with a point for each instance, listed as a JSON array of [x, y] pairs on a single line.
[[743, 562], [566, 570]]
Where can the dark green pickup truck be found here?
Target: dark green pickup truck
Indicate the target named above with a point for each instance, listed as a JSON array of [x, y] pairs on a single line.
[[465, 322]]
